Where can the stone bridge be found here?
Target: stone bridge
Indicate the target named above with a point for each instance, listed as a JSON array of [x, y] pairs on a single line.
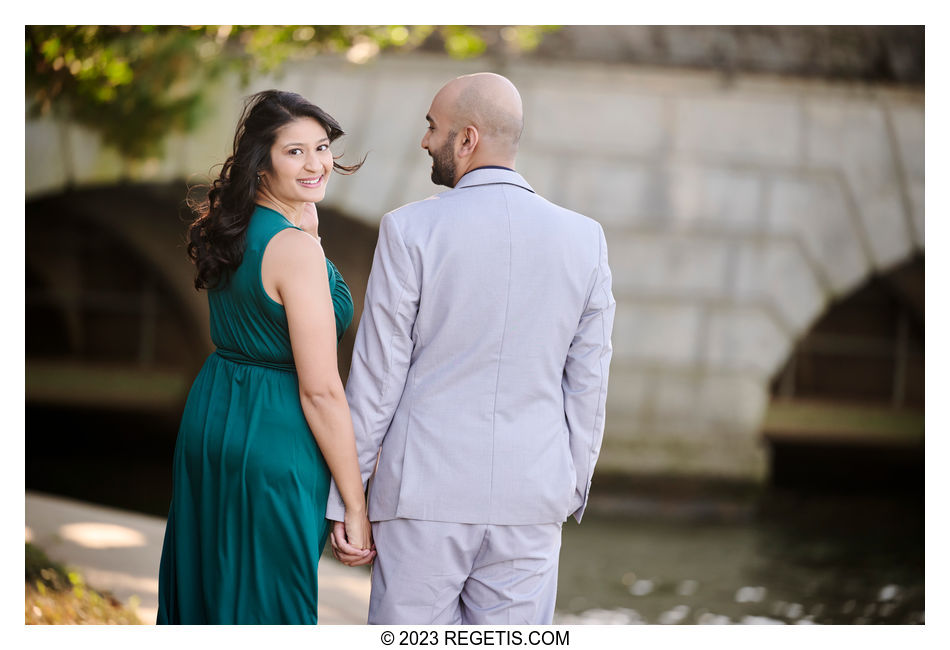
[[737, 210]]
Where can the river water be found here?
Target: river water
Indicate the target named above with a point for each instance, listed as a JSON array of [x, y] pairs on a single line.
[[797, 558], [792, 556]]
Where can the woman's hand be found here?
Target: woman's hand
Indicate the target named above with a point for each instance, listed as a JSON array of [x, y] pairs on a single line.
[[359, 533], [309, 220], [343, 548]]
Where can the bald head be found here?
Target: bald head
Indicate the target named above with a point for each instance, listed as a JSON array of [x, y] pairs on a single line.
[[474, 121], [492, 104]]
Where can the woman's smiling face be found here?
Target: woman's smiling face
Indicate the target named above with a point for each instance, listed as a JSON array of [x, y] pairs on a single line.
[[301, 162]]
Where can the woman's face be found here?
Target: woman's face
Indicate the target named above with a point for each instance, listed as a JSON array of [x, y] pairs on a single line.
[[301, 162]]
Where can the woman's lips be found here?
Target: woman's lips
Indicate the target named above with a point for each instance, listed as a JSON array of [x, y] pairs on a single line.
[[311, 182]]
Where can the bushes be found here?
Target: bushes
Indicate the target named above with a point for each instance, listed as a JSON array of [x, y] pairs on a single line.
[[57, 596]]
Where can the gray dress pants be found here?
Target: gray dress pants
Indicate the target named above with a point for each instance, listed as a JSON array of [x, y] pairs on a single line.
[[431, 572]]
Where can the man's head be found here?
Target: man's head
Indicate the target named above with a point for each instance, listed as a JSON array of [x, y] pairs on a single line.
[[474, 120]]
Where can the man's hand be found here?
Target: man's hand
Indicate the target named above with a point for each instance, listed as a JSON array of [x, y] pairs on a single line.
[[347, 553], [309, 221]]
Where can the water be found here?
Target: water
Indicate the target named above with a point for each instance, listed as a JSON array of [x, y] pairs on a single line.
[[798, 559], [799, 556]]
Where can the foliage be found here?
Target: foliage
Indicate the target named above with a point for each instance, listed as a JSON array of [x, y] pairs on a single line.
[[56, 596], [134, 84]]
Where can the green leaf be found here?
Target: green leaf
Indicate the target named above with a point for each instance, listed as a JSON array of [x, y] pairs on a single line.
[[136, 84]]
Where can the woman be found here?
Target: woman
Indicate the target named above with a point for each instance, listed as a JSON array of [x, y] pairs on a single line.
[[266, 422]]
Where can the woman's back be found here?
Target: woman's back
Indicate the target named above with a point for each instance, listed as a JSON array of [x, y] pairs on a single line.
[[265, 421], [248, 324], [247, 519]]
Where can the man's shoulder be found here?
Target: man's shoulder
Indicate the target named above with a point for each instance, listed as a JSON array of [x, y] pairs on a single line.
[[429, 205], [450, 200], [567, 215]]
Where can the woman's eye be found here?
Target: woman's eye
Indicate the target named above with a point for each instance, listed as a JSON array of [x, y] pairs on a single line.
[[323, 147], [295, 151]]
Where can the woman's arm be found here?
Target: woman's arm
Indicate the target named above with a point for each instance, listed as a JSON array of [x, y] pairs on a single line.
[[294, 273]]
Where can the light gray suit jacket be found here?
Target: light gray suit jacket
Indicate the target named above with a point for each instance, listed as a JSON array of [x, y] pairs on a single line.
[[479, 373]]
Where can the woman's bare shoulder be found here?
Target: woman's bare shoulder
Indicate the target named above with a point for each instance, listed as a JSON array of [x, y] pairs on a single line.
[[295, 243]]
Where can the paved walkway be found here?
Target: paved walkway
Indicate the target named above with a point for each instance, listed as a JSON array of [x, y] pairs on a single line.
[[119, 551]]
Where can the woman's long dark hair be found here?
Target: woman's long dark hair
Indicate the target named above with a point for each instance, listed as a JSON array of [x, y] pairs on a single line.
[[216, 238]]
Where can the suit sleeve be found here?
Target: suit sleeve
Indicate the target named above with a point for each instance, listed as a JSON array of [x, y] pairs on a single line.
[[382, 351], [585, 379]]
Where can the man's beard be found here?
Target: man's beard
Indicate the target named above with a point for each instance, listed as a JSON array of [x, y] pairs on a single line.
[[443, 164]]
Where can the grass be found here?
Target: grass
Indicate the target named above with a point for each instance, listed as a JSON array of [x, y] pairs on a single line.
[[58, 596]]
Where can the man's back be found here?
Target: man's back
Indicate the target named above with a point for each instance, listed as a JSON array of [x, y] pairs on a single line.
[[479, 378], [493, 285]]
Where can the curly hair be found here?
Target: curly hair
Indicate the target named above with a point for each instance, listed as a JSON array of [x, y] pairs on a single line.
[[216, 238]]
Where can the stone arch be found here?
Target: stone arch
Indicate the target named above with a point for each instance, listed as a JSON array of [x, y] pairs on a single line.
[[146, 221], [96, 258], [849, 397], [112, 259], [107, 324], [771, 204]]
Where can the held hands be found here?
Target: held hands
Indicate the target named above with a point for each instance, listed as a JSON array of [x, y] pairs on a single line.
[[309, 221], [352, 540]]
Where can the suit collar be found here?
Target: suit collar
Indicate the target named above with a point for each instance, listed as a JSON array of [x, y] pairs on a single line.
[[491, 176]]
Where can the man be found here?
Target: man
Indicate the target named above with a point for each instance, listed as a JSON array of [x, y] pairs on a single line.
[[479, 378]]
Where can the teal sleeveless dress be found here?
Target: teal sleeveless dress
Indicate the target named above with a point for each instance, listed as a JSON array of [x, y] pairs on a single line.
[[246, 524]]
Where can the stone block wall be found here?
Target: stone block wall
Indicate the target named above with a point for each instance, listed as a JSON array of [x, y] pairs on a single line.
[[735, 209]]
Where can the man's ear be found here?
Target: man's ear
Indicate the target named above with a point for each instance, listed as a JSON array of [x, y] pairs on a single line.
[[467, 141]]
